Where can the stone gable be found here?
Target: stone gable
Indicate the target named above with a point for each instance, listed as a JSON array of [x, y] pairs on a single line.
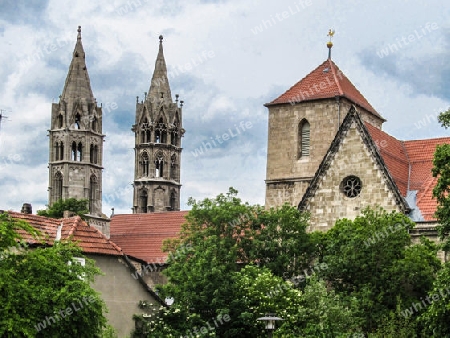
[[352, 158]]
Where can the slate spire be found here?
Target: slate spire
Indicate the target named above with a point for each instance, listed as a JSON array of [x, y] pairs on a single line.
[[159, 87], [78, 85]]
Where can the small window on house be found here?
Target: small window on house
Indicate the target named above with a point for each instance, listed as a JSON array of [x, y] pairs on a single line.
[[351, 186], [80, 261], [303, 138]]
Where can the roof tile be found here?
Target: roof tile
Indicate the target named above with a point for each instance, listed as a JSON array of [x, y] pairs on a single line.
[[324, 82], [141, 235]]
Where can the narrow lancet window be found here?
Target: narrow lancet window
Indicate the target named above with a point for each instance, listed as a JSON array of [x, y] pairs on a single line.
[[303, 139]]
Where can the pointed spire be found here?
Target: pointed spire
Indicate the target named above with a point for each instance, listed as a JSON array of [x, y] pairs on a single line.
[[77, 83], [159, 87]]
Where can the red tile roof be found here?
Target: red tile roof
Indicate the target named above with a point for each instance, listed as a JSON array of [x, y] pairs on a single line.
[[410, 164], [89, 239], [324, 82], [394, 155], [141, 235]]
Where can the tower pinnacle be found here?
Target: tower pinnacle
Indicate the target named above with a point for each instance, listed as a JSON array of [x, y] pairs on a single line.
[[159, 87]]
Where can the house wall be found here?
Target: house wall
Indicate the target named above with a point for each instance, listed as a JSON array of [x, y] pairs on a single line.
[[120, 291]]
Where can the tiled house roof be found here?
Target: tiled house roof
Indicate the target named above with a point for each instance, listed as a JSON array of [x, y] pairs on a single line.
[[410, 164], [89, 239], [324, 82], [141, 235]]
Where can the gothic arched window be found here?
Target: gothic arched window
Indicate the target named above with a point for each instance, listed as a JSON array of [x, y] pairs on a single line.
[[303, 138], [61, 151], [143, 201], [96, 154], [79, 152], [159, 166], [94, 124], [60, 121], [78, 121], [73, 152], [173, 200], [145, 131], [57, 151], [91, 153], [145, 164], [93, 193], [173, 167], [174, 133], [58, 186], [161, 132]]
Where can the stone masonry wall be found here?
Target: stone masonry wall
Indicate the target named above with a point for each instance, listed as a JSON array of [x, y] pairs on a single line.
[[330, 203]]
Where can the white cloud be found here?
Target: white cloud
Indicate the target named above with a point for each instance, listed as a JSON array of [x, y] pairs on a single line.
[[247, 70]]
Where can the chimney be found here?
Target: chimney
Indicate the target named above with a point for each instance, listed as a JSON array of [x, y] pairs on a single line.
[[26, 209], [68, 213]]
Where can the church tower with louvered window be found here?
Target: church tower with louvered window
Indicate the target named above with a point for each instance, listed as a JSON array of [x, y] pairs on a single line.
[[158, 131], [76, 139]]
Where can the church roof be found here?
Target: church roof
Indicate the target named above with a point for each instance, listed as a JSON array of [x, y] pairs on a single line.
[[325, 82], [407, 164], [78, 84], [141, 236], [89, 239], [410, 163]]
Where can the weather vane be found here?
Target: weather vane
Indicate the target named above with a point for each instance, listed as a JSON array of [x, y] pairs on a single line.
[[329, 43]]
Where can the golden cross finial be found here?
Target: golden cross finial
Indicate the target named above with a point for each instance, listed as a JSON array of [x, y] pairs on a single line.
[[330, 33], [329, 43]]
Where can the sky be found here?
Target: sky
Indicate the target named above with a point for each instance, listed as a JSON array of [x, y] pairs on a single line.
[[226, 59]]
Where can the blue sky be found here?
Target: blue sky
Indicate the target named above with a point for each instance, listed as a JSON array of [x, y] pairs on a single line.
[[227, 59]]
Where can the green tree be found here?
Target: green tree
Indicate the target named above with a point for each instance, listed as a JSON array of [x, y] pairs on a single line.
[[79, 207], [43, 291], [371, 259], [441, 170], [435, 318], [223, 235]]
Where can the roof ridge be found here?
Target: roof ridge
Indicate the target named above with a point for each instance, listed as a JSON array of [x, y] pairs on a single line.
[[332, 66]]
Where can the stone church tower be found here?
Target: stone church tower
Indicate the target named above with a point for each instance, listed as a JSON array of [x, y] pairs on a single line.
[[302, 125], [158, 131], [76, 139]]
